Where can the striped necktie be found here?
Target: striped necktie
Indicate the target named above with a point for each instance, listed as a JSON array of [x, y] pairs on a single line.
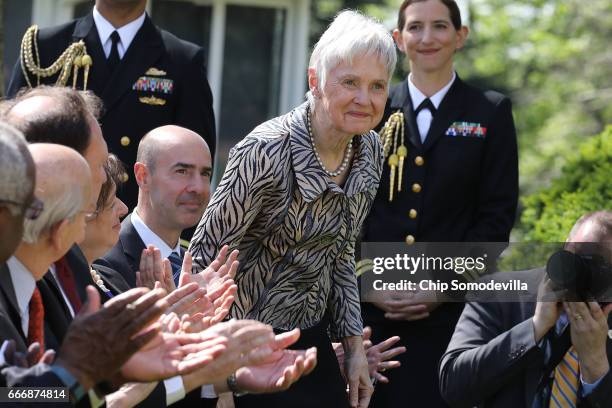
[[564, 392], [176, 261]]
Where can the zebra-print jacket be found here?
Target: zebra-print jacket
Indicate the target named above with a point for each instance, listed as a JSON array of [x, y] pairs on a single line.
[[294, 227]]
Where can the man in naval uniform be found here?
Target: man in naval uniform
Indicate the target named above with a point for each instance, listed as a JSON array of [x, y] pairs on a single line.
[[145, 76]]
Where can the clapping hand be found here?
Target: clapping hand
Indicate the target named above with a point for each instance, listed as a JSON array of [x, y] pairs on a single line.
[[153, 269], [100, 340], [218, 281], [29, 358], [380, 355], [280, 369]]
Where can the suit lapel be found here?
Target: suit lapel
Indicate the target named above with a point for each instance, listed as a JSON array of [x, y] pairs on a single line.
[[401, 100], [450, 109], [131, 242], [144, 50], [80, 270], [7, 292], [86, 30]]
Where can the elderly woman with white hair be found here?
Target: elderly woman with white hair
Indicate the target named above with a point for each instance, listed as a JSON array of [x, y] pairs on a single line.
[[292, 199]]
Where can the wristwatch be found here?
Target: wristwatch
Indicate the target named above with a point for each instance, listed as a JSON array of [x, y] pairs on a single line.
[[75, 389], [233, 386]]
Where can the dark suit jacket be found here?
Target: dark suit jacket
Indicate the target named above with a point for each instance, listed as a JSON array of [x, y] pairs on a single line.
[[493, 361], [187, 99], [112, 280], [124, 257], [10, 322]]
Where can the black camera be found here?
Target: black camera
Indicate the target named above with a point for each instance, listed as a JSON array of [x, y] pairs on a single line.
[[586, 276]]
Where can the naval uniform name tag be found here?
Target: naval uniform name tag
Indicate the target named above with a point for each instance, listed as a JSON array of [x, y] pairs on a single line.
[[466, 129]]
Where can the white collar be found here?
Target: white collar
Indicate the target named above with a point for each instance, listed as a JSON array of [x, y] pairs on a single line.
[[24, 285], [126, 32], [151, 238], [417, 96]]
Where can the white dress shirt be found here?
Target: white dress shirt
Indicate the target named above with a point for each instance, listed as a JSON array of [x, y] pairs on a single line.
[[151, 238], [126, 33], [24, 285], [425, 117]]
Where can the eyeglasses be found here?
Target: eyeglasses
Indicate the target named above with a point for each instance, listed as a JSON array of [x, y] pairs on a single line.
[[31, 212]]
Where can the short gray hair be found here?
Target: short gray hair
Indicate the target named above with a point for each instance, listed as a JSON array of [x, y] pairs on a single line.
[[351, 34], [15, 185], [62, 201]]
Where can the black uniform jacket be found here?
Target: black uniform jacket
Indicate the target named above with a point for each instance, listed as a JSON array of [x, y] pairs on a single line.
[[160, 80], [463, 187]]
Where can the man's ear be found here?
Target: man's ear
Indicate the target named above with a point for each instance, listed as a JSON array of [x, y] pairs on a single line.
[[57, 234], [141, 172]]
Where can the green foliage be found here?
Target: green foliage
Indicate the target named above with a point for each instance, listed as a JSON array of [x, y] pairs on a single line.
[[585, 185], [553, 58]]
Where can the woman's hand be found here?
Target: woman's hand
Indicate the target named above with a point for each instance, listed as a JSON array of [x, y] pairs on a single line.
[[356, 371]]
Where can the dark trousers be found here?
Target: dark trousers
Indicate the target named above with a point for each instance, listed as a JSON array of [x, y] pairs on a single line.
[[324, 387], [415, 384]]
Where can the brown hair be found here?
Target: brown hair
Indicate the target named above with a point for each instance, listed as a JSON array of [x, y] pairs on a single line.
[[114, 170], [66, 123], [451, 5]]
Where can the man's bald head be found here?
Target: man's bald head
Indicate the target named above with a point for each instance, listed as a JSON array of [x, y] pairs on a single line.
[[63, 183], [161, 141], [173, 169], [592, 234]]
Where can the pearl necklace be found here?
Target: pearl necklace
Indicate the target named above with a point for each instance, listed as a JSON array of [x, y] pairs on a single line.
[[98, 280], [347, 155]]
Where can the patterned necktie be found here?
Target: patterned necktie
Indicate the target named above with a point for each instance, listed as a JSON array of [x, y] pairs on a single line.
[[564, 392], [113, 57], [36, 324], [66, 279], [177, 263]]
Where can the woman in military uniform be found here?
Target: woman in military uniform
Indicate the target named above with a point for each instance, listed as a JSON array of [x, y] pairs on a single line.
[[450, 175]]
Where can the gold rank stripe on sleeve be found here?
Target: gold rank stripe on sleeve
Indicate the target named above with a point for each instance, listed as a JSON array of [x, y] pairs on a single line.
[[73, 58], [392, 133]]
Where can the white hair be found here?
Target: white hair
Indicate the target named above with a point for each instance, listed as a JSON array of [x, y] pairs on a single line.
[[62, 193], [351, 34], [15, 185]]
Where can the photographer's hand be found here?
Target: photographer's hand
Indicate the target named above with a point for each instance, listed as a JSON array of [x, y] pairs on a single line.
[[547, 310], [589, 331]]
